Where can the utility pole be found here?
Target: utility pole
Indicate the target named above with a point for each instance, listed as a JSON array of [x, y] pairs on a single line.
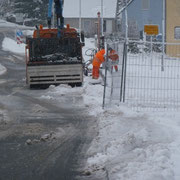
[[102, 20], [80, 18], [126, 26], [98, 30], [163, 35], [53, 18]]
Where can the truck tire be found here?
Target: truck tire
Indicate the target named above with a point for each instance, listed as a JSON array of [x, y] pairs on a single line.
[[79, 84], [76, 84]]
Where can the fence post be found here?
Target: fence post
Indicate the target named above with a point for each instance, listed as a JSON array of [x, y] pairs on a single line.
[[122, 74], [151, 52], [112, 85], [105, 78], [125, 68]]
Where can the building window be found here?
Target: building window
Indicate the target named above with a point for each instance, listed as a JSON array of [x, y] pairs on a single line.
[[177, 33], [145, 4]]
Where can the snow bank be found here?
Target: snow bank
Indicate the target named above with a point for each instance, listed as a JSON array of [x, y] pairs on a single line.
[[56, 92], [133, 146], [2, 69], [91, 95], [12, 46]]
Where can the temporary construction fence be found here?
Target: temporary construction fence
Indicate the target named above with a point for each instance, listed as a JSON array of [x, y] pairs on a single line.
[[147, 78]]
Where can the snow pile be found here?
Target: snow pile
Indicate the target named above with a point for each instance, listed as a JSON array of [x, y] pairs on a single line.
[[2, 69], [93, 96], [12, 46], [133, 146], [56, 92], [90, 94]]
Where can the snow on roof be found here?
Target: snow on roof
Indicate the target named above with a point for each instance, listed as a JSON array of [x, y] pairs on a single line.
[[89, 8]]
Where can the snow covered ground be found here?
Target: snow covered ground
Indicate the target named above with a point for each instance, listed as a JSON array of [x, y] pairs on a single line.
[[2, 69], [12, 46], [133, 146], [130, 145]]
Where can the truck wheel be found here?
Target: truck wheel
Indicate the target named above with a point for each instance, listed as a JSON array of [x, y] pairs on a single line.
[[85, 72], [79, 84], [76, 84], [32, 86]]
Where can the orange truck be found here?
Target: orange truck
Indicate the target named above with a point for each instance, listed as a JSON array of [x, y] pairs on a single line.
[[54, 55]]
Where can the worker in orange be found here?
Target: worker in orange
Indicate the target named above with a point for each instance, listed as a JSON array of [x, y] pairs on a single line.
[[97, 61], [114, 57]]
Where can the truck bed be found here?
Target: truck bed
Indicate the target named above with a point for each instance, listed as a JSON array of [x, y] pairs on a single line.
[[54, 74]]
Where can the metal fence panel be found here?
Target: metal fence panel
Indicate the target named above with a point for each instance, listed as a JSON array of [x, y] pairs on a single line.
[[151, 79], [113, 79]]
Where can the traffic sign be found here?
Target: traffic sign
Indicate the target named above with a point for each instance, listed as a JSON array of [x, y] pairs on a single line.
[[151, 29]]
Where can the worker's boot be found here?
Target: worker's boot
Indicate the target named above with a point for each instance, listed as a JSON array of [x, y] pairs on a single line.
[[116, 68]]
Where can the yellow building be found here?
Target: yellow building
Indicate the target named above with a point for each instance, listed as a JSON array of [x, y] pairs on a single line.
[[173, 27]]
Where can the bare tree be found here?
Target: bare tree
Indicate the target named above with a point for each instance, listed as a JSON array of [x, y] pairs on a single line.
[[2, 3], [5, 7]]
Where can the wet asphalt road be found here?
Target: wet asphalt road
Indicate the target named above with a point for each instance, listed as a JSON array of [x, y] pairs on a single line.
[[26, 116]]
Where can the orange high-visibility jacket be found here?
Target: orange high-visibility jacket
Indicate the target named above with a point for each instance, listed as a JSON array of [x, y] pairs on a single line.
[[98, 58], [113, 55]]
